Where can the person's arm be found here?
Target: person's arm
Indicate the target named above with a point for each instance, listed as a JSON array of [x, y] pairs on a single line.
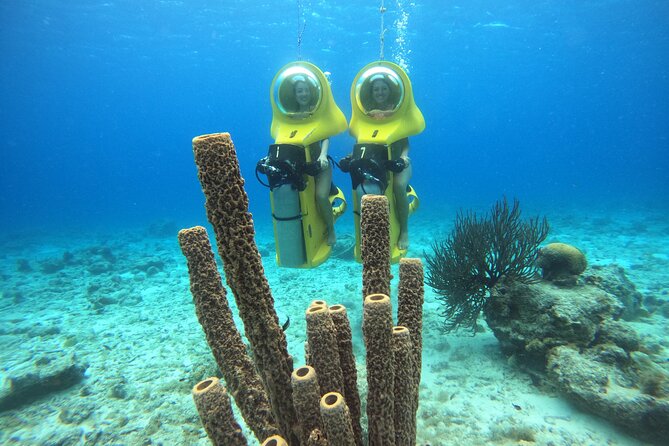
[[323, 157]]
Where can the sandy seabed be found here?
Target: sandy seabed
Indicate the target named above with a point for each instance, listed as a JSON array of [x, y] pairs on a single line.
[[120, 304]]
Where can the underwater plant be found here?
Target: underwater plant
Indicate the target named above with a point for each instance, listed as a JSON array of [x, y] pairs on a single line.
[[479, 252]]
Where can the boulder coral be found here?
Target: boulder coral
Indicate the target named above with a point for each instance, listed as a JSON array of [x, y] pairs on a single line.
[[561, 262]]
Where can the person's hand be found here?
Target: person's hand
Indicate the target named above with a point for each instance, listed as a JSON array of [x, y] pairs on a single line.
[[323, 162], [300, 115], [379, 114], [406, 159]]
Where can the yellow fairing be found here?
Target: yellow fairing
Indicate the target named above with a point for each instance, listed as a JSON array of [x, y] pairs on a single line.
[[289, 126], [403, 120], [400, 120], [395, 253], [314, 229]]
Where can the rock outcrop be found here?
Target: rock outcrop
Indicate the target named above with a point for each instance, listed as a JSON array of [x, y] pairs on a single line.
[[574, 340]]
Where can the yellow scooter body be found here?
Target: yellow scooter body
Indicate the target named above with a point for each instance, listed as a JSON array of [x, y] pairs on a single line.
[[289, 126], [372, 126], [395, 253]]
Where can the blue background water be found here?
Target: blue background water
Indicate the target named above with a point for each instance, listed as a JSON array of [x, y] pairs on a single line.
[[554, 102]]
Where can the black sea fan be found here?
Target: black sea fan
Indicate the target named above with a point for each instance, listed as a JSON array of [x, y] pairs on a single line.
[[477, 254]]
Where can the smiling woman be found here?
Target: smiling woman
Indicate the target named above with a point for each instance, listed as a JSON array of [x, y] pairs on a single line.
[[380, 92], [297, 92]]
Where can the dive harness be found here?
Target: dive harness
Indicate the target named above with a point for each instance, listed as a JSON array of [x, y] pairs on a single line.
[[369, 162], [289, 168]]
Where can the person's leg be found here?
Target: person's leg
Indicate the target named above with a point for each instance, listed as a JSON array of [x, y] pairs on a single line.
[[400, 183], [323, 183]]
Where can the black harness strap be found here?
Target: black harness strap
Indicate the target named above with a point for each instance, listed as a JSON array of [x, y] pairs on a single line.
[[368, 164], [296, 217], [284, 164]]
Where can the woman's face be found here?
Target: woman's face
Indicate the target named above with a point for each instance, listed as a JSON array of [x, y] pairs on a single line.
[[380, 92], [302, 94]]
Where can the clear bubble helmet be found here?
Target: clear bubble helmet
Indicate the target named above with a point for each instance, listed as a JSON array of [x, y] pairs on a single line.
[[383, 107], [318, 120]]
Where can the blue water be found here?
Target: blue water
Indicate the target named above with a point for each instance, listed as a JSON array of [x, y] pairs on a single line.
[[558, 103]]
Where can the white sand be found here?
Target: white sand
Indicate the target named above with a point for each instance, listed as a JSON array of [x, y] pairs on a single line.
[[145, 348]]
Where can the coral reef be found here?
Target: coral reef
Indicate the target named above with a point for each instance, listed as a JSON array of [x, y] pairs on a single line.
[[614, 391], [406, 387], [323, 349], [410, 308], [571, 339], [613, 280], [275, 440], [530, 319]]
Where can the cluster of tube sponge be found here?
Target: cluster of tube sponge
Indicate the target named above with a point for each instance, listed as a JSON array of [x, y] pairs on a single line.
[[319, 403]]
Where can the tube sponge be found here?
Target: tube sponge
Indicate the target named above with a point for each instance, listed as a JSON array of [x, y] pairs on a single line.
[[323, 350], [410, 311], [348, 367], [213, 405], [275, 440], [337, 420], [213, 312], [306, 396], [227, 211], [377, 331], [405, 387], [375, 244]]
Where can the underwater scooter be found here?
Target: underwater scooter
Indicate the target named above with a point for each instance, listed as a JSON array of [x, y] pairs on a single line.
[[300, 233], [374, 159]]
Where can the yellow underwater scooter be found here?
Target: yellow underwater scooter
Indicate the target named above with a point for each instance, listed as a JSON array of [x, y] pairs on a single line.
[[300, 233], [373, 159]]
